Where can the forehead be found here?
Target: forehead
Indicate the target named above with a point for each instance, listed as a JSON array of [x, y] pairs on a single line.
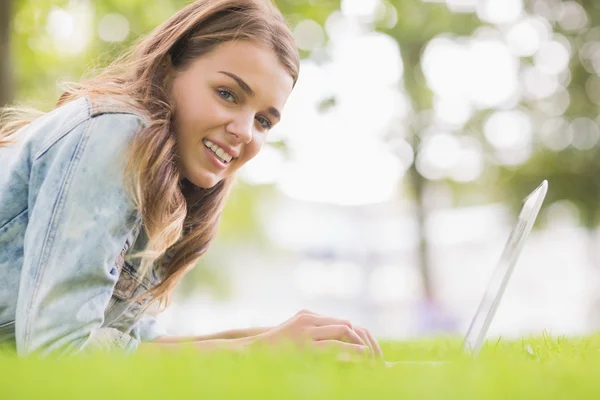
[[257, 65]]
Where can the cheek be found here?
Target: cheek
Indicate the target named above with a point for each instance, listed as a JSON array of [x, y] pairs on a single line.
[[197, 111], [184, 138], [183, 149]]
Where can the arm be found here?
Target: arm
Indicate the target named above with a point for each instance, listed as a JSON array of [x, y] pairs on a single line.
[[235, 333], [238, 344], [236, 340], [153, 337], [225, 335], [303, 328], [79, 219]]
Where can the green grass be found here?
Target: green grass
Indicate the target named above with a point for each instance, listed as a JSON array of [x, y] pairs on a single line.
[[537, 368]]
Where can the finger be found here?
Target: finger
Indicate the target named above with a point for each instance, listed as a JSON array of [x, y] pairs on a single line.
[[364, 334], [321, 320], [306, 312], [342, 346], [365, 338], [373, 343], [337, 332]]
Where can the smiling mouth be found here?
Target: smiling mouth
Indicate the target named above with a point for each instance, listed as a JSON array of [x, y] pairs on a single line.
[[221, 154]]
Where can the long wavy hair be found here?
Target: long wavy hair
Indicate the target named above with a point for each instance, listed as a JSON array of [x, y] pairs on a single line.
[[180, 219]]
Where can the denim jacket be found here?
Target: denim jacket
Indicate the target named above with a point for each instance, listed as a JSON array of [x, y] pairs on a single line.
[[66, 230]]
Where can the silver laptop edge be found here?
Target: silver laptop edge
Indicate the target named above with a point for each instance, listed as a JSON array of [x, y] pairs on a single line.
[[476, 335]]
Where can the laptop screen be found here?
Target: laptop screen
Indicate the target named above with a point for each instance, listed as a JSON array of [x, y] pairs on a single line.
[[480, 324]]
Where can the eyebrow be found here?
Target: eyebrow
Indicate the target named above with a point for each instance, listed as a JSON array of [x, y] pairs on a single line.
[[248, 90]]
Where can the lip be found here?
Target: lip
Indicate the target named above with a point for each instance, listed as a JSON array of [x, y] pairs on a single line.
[[213, 158], [233, 153]]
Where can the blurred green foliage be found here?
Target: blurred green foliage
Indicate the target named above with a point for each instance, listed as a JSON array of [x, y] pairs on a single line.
[[39, 62], [573, 174]]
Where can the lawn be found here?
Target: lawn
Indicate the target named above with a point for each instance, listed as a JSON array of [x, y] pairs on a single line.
[[533, 368]]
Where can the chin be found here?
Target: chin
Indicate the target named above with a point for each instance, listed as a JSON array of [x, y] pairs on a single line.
[[202, 180], [204, 183]]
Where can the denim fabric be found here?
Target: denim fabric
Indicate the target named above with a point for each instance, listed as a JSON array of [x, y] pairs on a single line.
[[67, 228]]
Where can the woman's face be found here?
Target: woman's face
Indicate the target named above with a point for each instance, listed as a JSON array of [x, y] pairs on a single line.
[[225, 104]]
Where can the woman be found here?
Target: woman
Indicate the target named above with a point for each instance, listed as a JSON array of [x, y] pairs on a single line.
[[108, 200]]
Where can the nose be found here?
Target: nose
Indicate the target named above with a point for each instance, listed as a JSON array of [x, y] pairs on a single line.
[[241, 127]]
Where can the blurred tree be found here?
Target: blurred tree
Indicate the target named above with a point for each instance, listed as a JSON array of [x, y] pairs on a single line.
[[5, 65], [573, 168], [417, 24], [572, 165]]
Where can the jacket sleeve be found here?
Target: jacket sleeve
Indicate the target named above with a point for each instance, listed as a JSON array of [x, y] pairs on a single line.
[[148, 329], [79, 219]]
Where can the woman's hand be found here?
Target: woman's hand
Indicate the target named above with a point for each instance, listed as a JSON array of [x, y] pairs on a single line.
[[310, 329]]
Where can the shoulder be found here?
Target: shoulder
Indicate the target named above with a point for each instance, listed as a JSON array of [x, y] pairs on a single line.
[[117, 106], [87, 141], [107, 119]]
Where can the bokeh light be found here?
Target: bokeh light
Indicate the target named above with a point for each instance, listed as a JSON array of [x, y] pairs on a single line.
[[499, 11], [70, 29], [309, 34], [113, 27]]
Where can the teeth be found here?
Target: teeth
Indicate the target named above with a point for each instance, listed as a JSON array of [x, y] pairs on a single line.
[[224, 156]]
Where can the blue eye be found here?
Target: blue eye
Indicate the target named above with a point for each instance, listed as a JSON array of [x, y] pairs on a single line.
[[264, 122], [227, 95]]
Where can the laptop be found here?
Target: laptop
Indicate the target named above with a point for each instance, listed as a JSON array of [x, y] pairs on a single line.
[[480, 324]]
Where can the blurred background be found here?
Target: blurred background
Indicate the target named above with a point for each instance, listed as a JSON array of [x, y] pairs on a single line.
[[389, 189]]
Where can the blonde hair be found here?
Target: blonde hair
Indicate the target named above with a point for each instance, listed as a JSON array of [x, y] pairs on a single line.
[[180, 219]]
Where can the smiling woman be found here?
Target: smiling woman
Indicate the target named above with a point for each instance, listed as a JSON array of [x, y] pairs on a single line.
[[109, 199], [239, 107]]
